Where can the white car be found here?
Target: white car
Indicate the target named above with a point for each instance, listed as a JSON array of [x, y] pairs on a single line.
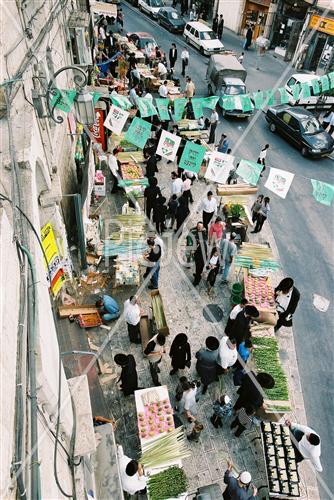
[[151, 7], [201, 36], [298, 78]]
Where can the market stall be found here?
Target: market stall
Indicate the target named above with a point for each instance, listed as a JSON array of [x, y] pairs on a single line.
[[280, 462], [237, 214], [162, 446], [259, 258], [159, 313]]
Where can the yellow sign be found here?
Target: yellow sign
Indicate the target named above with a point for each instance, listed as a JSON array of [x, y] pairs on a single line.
[[323, 24], [53, 258]]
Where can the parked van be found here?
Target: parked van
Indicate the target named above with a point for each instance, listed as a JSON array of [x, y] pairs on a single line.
[[201, 36], [324, 100], [226, 77]]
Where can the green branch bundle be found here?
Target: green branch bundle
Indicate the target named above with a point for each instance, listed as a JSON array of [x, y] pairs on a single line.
[[164, 450], [266, 359], [169, 483]]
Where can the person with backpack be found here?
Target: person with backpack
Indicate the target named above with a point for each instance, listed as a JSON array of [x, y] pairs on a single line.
[[222, 409]]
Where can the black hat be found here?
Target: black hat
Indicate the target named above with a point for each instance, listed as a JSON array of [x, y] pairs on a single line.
[[265, 380], [121, 359], [212, 343]]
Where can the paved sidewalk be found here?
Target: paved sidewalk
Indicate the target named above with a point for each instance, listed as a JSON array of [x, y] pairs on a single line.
[[183, 306]]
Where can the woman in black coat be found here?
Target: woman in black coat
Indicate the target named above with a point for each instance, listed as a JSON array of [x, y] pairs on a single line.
[[129, 377], [180, 353], [287, 297], [206, 365]]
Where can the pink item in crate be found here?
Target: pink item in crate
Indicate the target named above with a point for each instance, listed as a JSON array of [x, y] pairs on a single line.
[[99, 177], [156, 419]]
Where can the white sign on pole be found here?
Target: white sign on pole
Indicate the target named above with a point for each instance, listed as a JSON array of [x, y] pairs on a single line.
[[116, 119], [279, 181], [219, 167], [168, 145]]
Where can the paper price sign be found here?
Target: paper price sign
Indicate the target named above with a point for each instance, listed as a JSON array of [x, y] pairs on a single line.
[[168, 145]]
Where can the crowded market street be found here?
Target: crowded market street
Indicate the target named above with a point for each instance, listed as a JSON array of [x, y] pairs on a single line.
[[166, 228], [298, 224]]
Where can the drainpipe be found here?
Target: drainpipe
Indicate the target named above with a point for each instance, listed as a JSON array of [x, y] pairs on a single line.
[[32, 366]]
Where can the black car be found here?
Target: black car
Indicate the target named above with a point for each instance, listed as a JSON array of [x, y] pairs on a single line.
[[170, 19], [301, 128]]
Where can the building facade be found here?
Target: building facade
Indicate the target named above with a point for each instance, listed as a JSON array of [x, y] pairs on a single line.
[[38, 172]]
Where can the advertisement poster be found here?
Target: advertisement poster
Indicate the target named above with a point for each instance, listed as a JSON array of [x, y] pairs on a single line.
[[116, 119], [323, 192], [219, 167], [97, 129], [249, 171], [279, 181], [168, 145], [138, 132], [53, 258], [192, 157]]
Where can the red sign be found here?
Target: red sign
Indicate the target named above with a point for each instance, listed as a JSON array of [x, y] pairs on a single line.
[[98, 129]]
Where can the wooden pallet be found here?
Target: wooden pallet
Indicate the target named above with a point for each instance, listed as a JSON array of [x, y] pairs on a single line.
[[71, 310]]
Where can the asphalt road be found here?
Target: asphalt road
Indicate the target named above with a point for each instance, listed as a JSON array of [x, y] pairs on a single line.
[[302, 227]]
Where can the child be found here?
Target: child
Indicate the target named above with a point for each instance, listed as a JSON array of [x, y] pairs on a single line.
[[179, 390], [222, 408], [244, 420], [233, 314], [159, 214], [213, 267], [172, 207], [195, 432], [241, 57]]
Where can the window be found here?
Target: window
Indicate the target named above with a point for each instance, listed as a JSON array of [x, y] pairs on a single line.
[[235, 90], [195, 33], [192, 31], [310, 126], [188, 27], [291, 82], [207, 35], [291, 121]]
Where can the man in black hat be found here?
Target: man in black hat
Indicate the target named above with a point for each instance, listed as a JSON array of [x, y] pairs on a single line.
[[206, 365], [250, 393], [240, 326]]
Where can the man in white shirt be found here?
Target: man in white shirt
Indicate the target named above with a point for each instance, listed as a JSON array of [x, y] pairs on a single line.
[[262, 157], [132, 317], [186, 187], [209, 208], [190, 88], [213, 125], [184, 60], [176, 184], [227, 354], [162, 70], [131, 472], [163, 90], [306, 444]]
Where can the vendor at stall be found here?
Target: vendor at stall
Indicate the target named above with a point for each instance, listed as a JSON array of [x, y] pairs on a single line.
[[108, 307], [132, 474], [306, 443]]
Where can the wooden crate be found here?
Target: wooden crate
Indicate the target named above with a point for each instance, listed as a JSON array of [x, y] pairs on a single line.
[[89, 320], [145, 331], [158, 313]]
